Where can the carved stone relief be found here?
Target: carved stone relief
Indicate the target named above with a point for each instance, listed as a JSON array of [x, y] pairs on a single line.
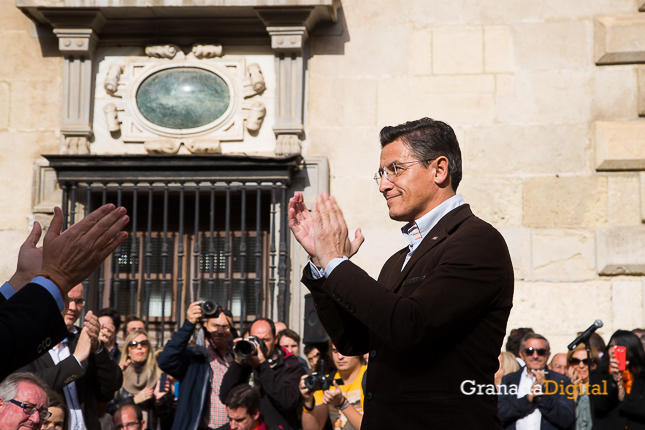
[[237, 88]]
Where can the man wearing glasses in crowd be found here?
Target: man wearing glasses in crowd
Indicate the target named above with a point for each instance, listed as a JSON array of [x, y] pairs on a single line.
[[128, 417], [529, 407], [437, 314], [200, 369], [80, 368], [23, 402]]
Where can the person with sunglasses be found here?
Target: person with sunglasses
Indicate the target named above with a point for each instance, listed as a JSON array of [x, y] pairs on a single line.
[[523, 400], [141, 383], [23, 402], [578, 371]]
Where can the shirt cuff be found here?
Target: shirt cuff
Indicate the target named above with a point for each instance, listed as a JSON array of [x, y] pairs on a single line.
[[333, 264], [7, 290], [53, 290], [316, 273]]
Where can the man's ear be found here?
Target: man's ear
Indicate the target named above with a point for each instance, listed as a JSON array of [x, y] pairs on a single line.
[[256, 415], [442, 175]]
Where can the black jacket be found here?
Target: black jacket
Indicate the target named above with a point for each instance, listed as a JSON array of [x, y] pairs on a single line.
[[30, 324], [96, 380], [278, 388], [439, 321], [609, 413], [557, 410]]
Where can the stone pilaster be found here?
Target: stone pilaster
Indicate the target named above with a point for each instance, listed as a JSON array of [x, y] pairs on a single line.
[[77, 46], [288, 44]]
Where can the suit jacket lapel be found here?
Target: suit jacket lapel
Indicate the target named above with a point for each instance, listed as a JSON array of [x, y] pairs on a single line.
[[438, 234]]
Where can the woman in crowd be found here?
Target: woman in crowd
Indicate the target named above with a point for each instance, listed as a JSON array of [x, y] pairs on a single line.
[[59, 418], [623, 405], [141, 384], [578, 371], [507, 364], [343, 404]]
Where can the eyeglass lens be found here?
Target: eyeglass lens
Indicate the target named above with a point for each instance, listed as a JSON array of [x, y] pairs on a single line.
[[540, 351]]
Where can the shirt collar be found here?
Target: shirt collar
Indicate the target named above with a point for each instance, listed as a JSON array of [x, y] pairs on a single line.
[[416, 231]]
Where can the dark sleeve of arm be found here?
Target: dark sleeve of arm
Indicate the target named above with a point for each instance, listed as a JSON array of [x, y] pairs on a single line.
[[473, 271], [350, 335], [603, 403], [633, 404], [56, 377], [281, 384], [235, 375], [30, 324], [107, 374], [174, 359], [558, 409], [509, 407]]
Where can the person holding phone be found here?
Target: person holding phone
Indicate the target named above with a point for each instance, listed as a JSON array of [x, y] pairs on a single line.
[[142, 383], [622, 405]]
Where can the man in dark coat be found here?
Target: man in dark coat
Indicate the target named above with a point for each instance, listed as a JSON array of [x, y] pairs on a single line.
[[437, 314]]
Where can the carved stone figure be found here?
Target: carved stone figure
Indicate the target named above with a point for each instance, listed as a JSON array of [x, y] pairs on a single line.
[[162, 51], [162, 146], [75, 145], [256, 116], [257, 78], [287, 144], [112, 78], [111, 117], [207, 51], [203, 146]]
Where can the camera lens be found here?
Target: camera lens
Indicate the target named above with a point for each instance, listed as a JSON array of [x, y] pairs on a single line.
[[244, 349], [209, 307]]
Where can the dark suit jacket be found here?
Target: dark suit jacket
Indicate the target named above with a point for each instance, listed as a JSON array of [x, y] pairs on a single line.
[[427, 328], [30, 324], [97, 380], [557, 410]]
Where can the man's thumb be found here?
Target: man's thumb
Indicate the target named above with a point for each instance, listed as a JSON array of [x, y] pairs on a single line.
[[34, 235]]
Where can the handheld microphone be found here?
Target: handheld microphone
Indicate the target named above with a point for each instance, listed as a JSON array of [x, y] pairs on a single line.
[[586, 335]]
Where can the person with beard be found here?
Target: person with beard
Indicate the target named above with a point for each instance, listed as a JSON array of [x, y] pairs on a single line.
[[528, 407], [200, 369]]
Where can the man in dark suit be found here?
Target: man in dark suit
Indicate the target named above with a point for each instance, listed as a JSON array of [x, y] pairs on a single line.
[[437, 314], [32, 301], [80, 368]]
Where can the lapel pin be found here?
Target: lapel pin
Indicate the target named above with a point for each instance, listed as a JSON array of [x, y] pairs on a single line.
[[435, 238]]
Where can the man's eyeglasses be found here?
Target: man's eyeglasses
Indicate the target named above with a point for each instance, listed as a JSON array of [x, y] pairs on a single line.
[[225, 327], [30, 409], [143, 343], [577, 361], [540, 351], [79, 302], [130, 425], [393, 170]]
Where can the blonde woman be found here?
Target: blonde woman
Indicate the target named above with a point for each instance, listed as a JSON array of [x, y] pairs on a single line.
[[141, 384], [507, 364]]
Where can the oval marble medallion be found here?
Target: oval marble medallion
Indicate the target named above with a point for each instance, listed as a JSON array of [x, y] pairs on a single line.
[[183, 98]]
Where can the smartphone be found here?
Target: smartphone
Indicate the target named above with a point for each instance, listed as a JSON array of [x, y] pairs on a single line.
[[162, 382], [620, 352]]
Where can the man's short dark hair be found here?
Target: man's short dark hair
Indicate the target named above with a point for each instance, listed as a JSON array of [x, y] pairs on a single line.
[[137, 410], [514, 339], [244, 396], [127, 321], [268, 321], [112, 313], [428, 139], [530, 335], [287, 332]]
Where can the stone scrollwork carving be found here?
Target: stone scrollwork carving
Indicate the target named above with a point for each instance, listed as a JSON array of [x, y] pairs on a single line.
[[257, 78], [111, 117], [112, 78], [256, 116], [162, 51], [75, 145], [162, 146], [203, 146], [207, 51], [287, 144]]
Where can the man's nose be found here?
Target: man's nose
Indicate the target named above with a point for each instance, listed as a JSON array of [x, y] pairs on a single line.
[[385, 184]]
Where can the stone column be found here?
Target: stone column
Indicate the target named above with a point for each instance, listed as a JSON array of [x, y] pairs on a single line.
[[77, 46], [288, 44]]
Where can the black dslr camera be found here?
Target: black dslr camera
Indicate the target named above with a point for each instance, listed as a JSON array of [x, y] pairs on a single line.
[[319, 381], [210, 309], [247, 347]]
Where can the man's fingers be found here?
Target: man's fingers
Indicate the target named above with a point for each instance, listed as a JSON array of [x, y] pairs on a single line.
[[108, 227], [93, 218], [55, 226], [112, 245], [358, 241], [34, 235]]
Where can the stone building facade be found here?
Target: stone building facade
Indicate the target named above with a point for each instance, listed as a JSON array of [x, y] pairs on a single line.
[[545, 97]]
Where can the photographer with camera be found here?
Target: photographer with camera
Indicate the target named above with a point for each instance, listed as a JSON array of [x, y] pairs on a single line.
[[272, 370], [341, 397], [200, 369]]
